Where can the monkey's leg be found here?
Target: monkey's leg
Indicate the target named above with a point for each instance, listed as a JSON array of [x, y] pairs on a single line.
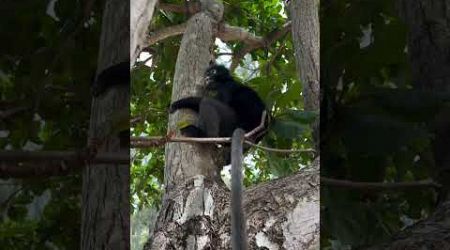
[[209, 117], [192, 131]]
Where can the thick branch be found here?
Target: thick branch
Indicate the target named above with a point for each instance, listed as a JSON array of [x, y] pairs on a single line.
[[22, 156], [188, 8], [232, 33], [226, 33], [23, 164], [167, 32]]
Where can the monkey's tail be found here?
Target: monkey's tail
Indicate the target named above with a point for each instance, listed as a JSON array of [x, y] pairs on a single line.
[[238, 232], [192, 103], [118, 74]]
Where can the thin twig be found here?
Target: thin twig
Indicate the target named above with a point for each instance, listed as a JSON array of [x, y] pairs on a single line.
[[379, 185], [260, 127], [155, 141], [277, 150]]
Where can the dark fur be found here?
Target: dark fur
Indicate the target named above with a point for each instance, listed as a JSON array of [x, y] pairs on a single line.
[[215, 119], [244, 100], [230, 96], [118, 74]]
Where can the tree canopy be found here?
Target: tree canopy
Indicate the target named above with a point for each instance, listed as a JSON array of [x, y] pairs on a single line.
[[270, 70]]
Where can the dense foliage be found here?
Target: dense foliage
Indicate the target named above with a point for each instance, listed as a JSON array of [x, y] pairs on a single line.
[[374, 124], [47, 61]]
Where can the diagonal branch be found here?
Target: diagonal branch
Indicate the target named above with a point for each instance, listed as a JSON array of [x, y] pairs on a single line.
[[226, 33], [164, 33], [232, 33], [265, 42], [188, 8]]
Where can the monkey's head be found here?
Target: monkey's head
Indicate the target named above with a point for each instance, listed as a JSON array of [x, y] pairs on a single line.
[[217, 73]]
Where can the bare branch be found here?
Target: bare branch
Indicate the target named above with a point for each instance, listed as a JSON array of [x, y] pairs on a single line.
[[23, 156], [226, 33], [231, 33], [189, 8], [10, 112], [274, 56], [266, 41], [164, 33], [141, 142], [379, 185], [156, 141], [23, 164], [277, 150], [260, 127]]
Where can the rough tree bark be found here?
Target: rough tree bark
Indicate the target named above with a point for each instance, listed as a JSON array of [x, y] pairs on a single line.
[[195, 210], [188, 218], [306, 37], [105, 193], [428, 23], [141, 12]]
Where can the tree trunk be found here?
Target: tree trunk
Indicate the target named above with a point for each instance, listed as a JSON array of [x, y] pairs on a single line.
[[429, 49], [141, 13], [186, 218], [105, 197], [283, 213], [306, 37]]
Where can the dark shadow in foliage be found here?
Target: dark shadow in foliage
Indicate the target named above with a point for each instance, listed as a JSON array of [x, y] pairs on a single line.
[[375, 126]]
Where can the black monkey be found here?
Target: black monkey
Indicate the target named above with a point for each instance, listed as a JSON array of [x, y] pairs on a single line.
[[215, 119], [242, 99], [117, 74], [229, 105]]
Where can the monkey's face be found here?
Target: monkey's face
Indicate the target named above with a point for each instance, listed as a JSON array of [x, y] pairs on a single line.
[[217, 73]]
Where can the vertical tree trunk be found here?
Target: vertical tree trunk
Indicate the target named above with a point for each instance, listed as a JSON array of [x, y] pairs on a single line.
[[141, 12], [105, 197], [429, 50], [195, 210], [306, 37], [186, 219]]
